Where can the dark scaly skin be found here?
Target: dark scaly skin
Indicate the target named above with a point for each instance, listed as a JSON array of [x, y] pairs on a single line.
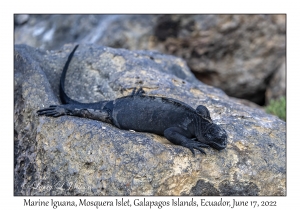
[[177, 121]]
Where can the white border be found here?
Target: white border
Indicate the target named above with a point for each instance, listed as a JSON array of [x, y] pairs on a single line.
[[8, 201]]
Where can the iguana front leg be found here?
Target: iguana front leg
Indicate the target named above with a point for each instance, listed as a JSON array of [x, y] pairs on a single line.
[[76, 110], [176, 136]]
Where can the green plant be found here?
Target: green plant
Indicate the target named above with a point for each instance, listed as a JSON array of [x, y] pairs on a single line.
[[277, 107]]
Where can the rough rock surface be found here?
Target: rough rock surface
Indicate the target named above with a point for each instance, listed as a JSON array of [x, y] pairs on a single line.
[[277, 87], [238, 53], [76, 156]]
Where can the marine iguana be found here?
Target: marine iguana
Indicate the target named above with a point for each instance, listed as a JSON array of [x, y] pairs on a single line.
[[171, 118]]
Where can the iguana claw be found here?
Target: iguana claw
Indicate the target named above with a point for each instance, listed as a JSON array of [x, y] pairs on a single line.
[[192, 144], [52, 110]]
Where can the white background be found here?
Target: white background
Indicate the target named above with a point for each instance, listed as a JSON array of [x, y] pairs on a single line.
[[9, 8]]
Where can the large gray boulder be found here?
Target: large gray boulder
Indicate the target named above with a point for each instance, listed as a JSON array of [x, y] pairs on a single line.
[[241, 54], [76, 156]]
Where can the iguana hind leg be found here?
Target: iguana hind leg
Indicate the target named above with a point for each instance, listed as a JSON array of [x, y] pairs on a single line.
[[76, 110], [175, 135]]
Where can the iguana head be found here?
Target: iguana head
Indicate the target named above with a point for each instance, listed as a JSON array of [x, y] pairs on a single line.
[[215, 136], [212, 134]]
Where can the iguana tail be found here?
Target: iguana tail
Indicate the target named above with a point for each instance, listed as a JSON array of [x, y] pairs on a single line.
[[63, 96]]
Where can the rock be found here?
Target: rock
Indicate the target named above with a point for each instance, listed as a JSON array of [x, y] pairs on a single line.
[[53, 31], [50, 32], [76, 156], [277, 87], [237, 53], [246, 103], [21, 19]]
